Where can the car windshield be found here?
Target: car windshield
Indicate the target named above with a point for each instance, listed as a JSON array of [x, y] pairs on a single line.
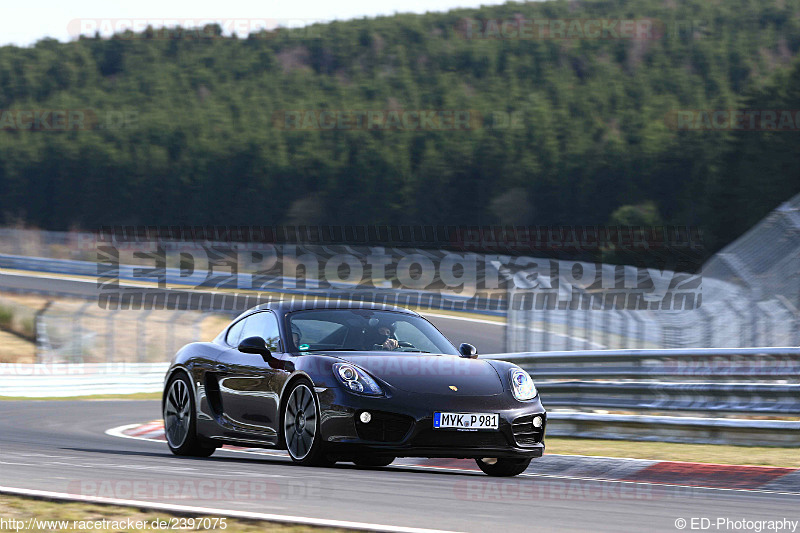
[[365, 330]]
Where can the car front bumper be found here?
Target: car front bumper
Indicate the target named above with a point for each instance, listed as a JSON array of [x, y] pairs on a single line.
[[402, 425]]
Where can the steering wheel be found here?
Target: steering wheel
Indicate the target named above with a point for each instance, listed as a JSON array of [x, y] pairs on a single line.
[[400, 344]]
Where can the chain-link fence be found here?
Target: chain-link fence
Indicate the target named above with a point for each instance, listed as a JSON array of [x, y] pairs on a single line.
[[750, 297], [52, 244], [83, 332]]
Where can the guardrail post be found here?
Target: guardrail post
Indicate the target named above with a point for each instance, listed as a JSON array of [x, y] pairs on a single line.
[[767, 327], [545, 323], [625, 331], [641, 331], [753, 326], [40, 331], [141, 344], [587, 322], [110, 336], [528, 333], [171, 334], [794, 332], [708, 321], [77, 322], [606, 326], [754, 298], [740, 319], [568, 321]]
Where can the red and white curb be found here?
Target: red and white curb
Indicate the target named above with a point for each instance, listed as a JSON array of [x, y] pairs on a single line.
[[700, 475]]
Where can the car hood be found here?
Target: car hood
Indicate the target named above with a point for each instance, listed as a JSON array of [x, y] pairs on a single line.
[[432, 374]]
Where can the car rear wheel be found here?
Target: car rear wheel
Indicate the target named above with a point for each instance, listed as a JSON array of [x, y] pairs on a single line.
[[372, 460], [180, 422], [503, 467], [301, 426]]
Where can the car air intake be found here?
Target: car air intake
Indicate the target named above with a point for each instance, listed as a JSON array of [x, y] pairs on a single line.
[[384, 427], [438, 438], [525, 433]]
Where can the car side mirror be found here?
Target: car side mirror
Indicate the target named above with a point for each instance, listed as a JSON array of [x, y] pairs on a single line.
[[258, 346], [468, 351], [255, 345]]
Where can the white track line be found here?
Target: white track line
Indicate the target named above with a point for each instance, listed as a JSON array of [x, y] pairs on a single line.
[[208, 511], [119, 432], [465, 319]]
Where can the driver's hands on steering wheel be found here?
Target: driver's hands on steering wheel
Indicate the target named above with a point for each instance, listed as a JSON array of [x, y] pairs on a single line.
[[390, 344]]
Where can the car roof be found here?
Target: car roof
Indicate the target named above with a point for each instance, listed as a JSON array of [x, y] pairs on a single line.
[[305, 304]]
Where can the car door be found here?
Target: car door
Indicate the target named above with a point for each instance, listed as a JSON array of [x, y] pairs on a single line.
[[247, 384]]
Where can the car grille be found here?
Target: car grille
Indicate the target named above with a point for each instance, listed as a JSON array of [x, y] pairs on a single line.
[[460, 439], [524, 432], [384, 427]]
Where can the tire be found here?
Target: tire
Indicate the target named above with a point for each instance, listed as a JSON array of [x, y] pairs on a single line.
[[373, 460], [180, 419], [300, 421], [504, 467]]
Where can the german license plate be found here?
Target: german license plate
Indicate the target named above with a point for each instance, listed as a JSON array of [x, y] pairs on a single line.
[[466, 421]]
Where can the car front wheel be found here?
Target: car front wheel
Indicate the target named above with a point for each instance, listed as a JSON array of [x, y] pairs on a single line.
[[301, 426]]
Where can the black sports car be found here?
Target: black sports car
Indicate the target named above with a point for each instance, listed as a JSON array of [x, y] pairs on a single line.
[[350, 382]]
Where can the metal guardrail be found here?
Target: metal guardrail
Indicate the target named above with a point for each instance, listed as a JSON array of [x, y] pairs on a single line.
[[759, 398], [747, 396], [685, 429], [772, 363]]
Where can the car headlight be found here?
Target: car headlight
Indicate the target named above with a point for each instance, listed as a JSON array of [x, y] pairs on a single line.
[[522, 385], [356, 379]]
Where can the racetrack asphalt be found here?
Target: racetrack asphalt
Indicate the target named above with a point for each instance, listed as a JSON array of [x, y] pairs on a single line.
[[62, 446]]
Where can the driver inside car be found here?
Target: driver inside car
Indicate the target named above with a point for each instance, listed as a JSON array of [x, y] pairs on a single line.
[[381, 337]]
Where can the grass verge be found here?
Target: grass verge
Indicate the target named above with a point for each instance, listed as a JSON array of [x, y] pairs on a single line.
[[23, 509], [669, 451]]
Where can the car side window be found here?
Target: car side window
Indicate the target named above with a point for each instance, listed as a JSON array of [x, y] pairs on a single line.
[[263, 325], [235, 333]]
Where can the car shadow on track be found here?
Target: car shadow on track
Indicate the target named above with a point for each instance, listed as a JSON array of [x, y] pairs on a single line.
[[264, 459], [166, 453]]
